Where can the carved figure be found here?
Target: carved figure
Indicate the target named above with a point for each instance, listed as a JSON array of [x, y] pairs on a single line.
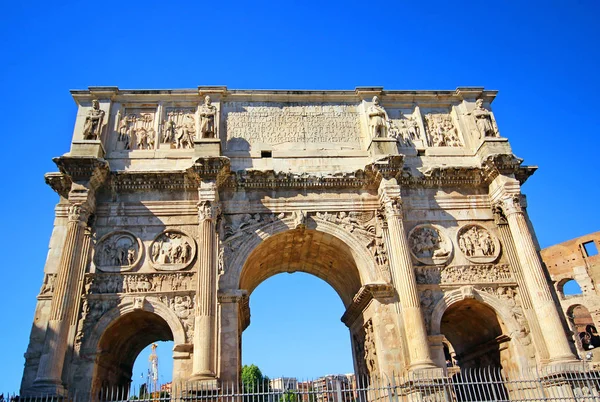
[[378, 119], [428, 245], [483, 120], [117, 250], [172, 250], [93, 122], [48, 285], [299, 219], [185, 135], [369, 348], [208, 113], [168, 131], [124, 132], [477, 244], [441, 130]]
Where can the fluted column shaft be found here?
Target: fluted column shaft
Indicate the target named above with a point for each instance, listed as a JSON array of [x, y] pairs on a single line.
[[405, 282], [554, 334], [64, 302], [205, 317]]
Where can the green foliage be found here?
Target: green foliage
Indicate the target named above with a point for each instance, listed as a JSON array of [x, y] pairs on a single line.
[[290, 396], [254, 382]]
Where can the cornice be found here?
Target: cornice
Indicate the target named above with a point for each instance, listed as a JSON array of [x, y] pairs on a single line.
[[59, 182], [471, 176], [83, 168], [363, 297]]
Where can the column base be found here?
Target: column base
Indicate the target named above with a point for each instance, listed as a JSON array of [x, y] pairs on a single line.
[[46, 387], [425, 370], [204, 382]]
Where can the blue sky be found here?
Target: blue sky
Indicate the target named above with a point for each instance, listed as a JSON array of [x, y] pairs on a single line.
[[542, 56]]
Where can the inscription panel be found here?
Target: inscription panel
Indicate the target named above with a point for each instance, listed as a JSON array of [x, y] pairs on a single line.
[[250, 123]]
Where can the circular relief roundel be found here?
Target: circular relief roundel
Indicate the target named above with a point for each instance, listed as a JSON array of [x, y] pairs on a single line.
[[118, 251], [172, 250], [478, 244], [429, 245]]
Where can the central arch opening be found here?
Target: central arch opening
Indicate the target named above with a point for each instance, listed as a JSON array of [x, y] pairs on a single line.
[[312, 252], [120, 345], [296, 329]]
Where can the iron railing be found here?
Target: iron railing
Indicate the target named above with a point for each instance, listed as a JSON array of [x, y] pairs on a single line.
[[577, 384]]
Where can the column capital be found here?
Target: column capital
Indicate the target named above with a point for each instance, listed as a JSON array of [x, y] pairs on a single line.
[[511, 204], [391, 202], [208, 210], [79, 212]]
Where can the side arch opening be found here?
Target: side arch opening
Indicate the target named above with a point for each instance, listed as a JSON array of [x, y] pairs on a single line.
[[121, 343]]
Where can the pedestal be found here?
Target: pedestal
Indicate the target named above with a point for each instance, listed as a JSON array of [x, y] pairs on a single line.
[[207, 147]]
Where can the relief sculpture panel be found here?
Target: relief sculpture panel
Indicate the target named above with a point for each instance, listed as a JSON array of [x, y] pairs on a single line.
[[477, 244], [290, 123], [178, 130], [118, 251], [441, 130], [172, 250], [429, 245], [135, 129]]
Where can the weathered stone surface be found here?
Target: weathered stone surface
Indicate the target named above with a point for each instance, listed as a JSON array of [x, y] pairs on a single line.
[[176, 204]]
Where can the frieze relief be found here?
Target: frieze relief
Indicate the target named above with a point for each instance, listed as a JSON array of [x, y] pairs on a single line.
[[118, 251], [172, 250], [477, 244], [429, 245], [488, 273], [277, 123], [47, 288], [178, 130], [135, 129], [138, 283], [442, 131]]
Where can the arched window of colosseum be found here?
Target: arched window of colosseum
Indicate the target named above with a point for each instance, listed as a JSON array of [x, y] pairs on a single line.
[[568, 287]]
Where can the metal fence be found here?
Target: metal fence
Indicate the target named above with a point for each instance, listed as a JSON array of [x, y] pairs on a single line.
[[554, 384]]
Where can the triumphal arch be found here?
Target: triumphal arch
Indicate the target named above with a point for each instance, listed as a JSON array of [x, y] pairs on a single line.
[[176, 204]]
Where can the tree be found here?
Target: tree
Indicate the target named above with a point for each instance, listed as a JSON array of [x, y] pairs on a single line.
[[254, 382]]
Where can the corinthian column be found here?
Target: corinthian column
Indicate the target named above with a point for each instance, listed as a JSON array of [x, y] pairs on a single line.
[[63, 312], [206, 297], [547, 314], [403, 276]]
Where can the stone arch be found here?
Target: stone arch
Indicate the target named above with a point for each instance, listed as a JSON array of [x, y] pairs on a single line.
[[560, 287], [320, 248], [122, 333], [363, 259], [584, 330], [507, 322]]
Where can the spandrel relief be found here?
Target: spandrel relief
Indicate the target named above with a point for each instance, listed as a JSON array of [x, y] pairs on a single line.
[[429, 245], [135, 129], [478, 244], [172, 250], [178, 129], [249, 123], [118, 251], [441, 131]]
